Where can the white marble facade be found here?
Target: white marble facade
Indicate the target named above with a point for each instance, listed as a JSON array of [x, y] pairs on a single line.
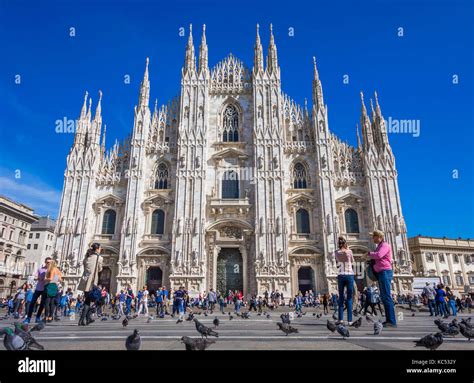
[[232, 168]]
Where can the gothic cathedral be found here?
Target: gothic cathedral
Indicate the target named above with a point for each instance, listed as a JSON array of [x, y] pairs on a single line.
[[231, 185]]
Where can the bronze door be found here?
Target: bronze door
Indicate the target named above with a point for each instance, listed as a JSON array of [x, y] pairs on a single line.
[[229, 271]]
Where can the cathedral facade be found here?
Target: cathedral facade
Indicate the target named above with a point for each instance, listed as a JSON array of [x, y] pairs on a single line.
[[231, 185]]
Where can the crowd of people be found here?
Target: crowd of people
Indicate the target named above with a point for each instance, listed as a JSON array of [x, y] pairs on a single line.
[[48, 301]]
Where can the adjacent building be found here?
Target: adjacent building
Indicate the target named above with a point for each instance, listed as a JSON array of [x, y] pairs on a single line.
[[231, 185], [452, 260], [15, 224], [40, 244]]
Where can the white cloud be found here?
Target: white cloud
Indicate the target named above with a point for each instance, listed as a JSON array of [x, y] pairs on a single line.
[[43, 199]]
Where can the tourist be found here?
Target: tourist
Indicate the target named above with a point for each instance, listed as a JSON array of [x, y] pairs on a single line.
[[441, 301], [345, 279], [51, 285], [212, 298], [39, 292], [429, 294], [143, 303], [20, 300], [28, 299], [92, 267], [382, 257]]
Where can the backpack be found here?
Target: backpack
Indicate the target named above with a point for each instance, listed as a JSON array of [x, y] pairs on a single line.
[[95, 294]]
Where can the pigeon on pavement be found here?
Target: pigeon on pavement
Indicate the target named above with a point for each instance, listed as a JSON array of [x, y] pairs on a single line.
[[287, 328], [342, 330], [203, 330], [133, 342], [11, 341], [466, 331], [125, 322], [357, 323], [430, 341], [197, 344], [378, 327], [331, 326], [216, 322]]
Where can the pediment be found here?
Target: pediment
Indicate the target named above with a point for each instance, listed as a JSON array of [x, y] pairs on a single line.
[[349, 197], [230, 153], [301, 197], [109, 200]]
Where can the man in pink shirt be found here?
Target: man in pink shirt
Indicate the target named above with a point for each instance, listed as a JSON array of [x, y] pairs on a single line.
[[383, 269]]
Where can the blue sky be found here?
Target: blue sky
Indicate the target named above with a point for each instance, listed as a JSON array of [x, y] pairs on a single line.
[[413, 76]]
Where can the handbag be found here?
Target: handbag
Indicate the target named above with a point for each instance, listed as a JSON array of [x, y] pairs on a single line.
[[370, 271], [51, 290]]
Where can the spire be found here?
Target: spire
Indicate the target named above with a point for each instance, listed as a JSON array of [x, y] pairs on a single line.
[[203, 51], [88, 116], [258, 53], [103, 138], [98, 110], [359, 146], [372, 111], [154, 119], [318, 98], [144, 98], [190, 58], [377, 106], [84, 106], [367, 136], [272, 57]]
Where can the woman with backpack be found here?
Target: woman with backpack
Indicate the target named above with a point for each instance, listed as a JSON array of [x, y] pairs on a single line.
[[88, 283], [52, 278]]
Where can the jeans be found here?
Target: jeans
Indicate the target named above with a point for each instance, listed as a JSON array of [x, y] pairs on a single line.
[[452, 305], [49, 307], [385, 278], [432, 307], [36, 295], [443, 309], [345, 281], [237, 306]]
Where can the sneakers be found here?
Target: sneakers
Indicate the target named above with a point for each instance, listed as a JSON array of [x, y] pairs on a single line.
[[26, 321], [38, 320]]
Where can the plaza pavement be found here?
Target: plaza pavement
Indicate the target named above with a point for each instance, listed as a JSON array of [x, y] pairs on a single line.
[[256, 333]]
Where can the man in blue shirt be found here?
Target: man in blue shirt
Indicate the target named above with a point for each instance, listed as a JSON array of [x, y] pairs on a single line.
[[165, 295]]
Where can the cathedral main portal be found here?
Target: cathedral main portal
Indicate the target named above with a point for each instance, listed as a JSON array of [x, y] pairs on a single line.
[[229, 271]]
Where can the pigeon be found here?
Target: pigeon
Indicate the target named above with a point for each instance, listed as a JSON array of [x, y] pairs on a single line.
[[27, 337], [216, 322], [357, 323], [104, 319], [203, 330], [319, 316], [369, 318], [467, 323], [38, 327], [413, 314], [454, 323], [149, 320], [268, 316], [125, 322], [331, 326], [466, 331], [342, 330], [179, 321], [205, 314], [190, 317], [378, 327], [11, 341], [287, 328], [246, 315], [314, 314], [285, 318], [116, 317], [452, 331], [231, 317], [430, 341], [133, 342], [335, 316], [197, 344], [441, 325]]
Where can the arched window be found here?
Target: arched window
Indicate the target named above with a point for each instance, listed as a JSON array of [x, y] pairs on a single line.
[[230, 185], [108, 224], [352, 221], [162, 177], [230, 124], [299, 176], [302, 221], [158, 222]]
